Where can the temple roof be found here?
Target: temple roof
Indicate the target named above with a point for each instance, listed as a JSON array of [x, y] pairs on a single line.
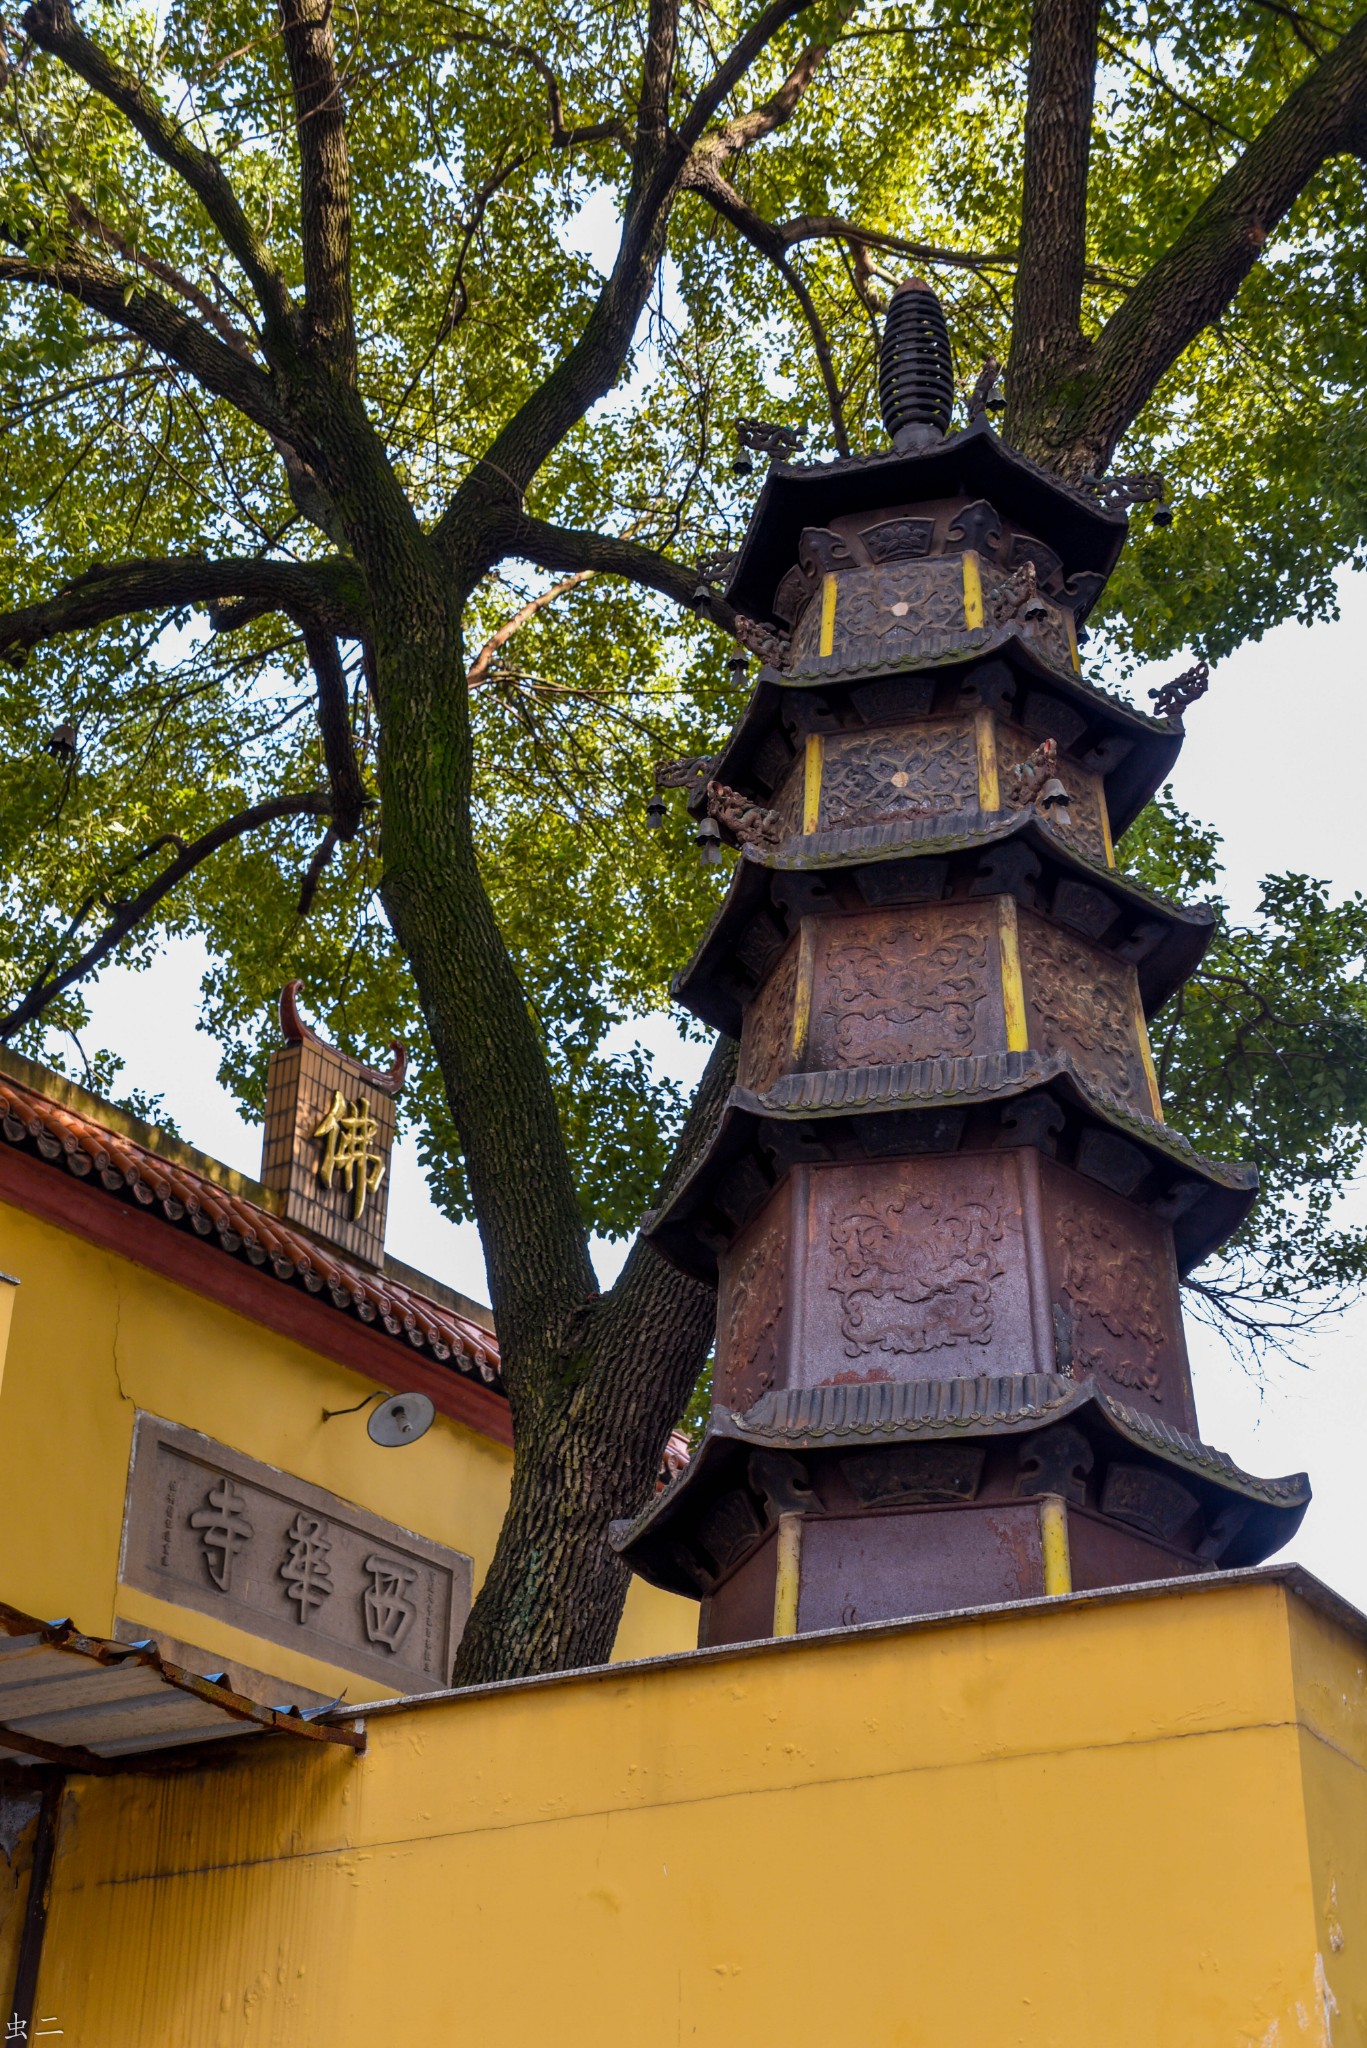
[[945, 1106], [184, 1198], [973, 463], [841, 1418], [824, 872]]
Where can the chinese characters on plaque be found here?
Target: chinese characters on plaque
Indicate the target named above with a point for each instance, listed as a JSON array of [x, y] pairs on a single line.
[[208, 1528], [348, 1132]]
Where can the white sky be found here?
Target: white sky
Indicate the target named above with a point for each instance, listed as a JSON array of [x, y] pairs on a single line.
[[1271, 761]]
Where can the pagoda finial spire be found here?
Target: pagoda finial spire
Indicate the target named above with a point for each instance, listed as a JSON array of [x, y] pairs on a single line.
[[915, 369]]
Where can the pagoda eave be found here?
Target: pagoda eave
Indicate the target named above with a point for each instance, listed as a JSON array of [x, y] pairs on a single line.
[[824, 1424], [821, 873], [973, 463], [933, 1107], [1133, 753]]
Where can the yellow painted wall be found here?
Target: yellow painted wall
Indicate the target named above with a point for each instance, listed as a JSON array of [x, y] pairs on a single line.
[[95, 1337], [1085, 1824]]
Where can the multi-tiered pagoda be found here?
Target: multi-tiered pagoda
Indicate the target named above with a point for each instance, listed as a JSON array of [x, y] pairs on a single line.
[[945, 1217]]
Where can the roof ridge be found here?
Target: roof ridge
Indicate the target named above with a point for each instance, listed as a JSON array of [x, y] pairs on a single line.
[[189, 1199]]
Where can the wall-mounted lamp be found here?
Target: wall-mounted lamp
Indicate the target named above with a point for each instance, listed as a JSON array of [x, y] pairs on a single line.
[[399, 1419]]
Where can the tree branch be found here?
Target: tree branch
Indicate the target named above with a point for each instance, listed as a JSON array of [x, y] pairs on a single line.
[[129, 915], [729, 74], [479, 669], [811, 227], [703, 177], [1200, 272], [592, 364], [564, 134], [52, 25], [570, 548], [232, 592], [1046, 316], [325, 180], [334, 727], [124, 302]]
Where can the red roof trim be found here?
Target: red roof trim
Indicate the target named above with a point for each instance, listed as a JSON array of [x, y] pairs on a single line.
[[175, 1222]]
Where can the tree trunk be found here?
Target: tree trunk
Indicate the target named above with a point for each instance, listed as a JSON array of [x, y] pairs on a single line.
[[595, 1383], [589, 1451]]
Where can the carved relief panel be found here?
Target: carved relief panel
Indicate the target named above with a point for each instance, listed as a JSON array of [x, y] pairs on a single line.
[[1116, 1301], [766, 1039], [1081, 1002], [914, 1269], [1086, 809], [892, 612], [902, 985], [898, 771], [752, 1302]]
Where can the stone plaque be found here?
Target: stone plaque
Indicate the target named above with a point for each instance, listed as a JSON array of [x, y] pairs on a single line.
[[208, 1528]]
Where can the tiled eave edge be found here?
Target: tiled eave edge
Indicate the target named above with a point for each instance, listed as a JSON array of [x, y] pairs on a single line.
[[68, 1171]]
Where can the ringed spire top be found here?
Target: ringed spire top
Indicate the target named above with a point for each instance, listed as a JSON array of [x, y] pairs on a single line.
[[915, 369]]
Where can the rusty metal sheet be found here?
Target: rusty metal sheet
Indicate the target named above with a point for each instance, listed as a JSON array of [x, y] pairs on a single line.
[[915, 1269], [86, 1703]]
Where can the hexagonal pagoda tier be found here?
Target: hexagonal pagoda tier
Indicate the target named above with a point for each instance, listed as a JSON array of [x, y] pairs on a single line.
[[945, 1217]]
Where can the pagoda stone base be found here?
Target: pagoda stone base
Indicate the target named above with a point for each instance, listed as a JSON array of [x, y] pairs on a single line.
[[891, 1563]]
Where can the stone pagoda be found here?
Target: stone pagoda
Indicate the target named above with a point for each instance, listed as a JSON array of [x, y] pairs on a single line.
[[946, 1221]]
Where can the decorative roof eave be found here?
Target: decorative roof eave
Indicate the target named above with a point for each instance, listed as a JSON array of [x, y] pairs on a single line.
[[189, 1201], [1154, 743], [707, 988], [974, 463], [826, 1117], [840, 1418]]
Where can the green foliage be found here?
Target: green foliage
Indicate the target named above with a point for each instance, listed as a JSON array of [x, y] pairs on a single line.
[[1263, 1056], [478, 248]]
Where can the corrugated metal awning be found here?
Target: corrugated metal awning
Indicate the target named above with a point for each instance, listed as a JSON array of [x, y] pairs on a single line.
[[91, 1705]]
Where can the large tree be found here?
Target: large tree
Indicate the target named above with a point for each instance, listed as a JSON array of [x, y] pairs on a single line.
[[369, 378]]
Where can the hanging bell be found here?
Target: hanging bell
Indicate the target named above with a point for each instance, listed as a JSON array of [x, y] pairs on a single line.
[[702, 597], [1055, 799], [707, 839], [61, 742], [744, 464], [655, 812], [1162, 515], [738, 662]]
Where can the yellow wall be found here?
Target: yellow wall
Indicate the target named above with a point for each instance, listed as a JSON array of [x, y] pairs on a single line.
[[1085, 1824], [95, 1337]]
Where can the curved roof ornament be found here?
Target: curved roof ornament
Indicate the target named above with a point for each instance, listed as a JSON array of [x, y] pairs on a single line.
[[296, 1032]]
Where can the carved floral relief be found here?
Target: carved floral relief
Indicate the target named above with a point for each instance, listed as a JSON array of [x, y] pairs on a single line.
[[1081, 1003], [898, 771], [751, 1300], [1084, 790], [1112, 1286], [906, 988], [913, 1272], [766, 1038]]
